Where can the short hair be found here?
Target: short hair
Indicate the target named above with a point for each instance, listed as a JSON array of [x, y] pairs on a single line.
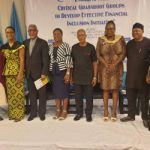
[[111, 22], [32, 26], [81, 30], [58, 29], [10, 27]]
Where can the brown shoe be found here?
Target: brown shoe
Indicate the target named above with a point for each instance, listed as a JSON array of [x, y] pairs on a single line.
[[57, 115]]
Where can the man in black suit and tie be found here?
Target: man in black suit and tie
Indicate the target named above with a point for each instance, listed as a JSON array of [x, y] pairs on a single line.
[[36, 66]]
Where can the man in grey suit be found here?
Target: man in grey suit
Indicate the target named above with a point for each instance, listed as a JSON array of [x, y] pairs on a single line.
[[36, 66]]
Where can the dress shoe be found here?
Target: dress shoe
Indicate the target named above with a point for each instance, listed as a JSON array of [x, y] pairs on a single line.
[[89, 119], [114, 117], [42, 118], [1, 118], [145, 123], [17, 120], [78, 117], [126, 119], [31, 118], [57, 114], [106, 115], [149, 125], [63, 115]]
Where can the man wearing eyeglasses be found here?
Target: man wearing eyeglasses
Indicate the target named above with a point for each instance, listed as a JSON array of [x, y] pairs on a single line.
[[36, 66]]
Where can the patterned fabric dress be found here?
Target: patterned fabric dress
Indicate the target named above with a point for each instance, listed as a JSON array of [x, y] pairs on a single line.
[[15, 91], [2, 81], [110, 52], [2, 63]]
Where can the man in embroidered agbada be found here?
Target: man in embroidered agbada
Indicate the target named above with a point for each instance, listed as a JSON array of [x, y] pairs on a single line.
[[137, 68]]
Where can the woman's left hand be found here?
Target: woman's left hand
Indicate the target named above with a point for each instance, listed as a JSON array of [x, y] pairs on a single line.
[[67, 78], [94, 81]]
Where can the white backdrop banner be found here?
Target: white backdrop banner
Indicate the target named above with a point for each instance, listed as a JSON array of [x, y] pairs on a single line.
[[91, 15]]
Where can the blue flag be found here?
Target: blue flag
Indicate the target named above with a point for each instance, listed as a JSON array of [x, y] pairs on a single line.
[[15, 23]]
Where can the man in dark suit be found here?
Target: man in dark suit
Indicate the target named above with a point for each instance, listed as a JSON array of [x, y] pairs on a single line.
[[137, 68], [36, 66]]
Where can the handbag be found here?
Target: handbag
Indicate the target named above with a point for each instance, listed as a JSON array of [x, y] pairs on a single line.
[[148, 76]]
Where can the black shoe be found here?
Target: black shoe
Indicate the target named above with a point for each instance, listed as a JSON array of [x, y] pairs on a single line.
[[42, 118], [89, 119], [145, 123], [149, 125], [126, 119], [1, 118], [31, 118], [78, 117]]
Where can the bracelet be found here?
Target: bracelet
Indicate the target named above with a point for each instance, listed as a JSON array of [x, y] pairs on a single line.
[[68, 73]]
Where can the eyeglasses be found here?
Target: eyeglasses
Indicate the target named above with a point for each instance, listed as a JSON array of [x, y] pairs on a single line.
[[32, 30], [110, 29], [10, 32]]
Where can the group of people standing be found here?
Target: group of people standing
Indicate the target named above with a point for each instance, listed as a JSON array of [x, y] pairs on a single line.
[[81, 65]]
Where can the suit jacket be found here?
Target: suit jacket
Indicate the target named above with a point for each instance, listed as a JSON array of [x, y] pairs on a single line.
[[137, 64], [37, 63]]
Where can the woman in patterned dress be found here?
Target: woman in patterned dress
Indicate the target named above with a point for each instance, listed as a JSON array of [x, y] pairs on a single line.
[[14, 74], [110, 53], [2, 80]]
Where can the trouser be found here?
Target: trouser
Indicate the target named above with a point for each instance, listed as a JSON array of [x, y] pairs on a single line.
[[87, 92], [34, 95], [142, 94]]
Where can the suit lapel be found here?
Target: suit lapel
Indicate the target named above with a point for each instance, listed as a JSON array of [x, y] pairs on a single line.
[[35, 46], [27, 48]]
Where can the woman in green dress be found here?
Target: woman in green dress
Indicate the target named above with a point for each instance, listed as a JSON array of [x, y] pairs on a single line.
[[14, 74]]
